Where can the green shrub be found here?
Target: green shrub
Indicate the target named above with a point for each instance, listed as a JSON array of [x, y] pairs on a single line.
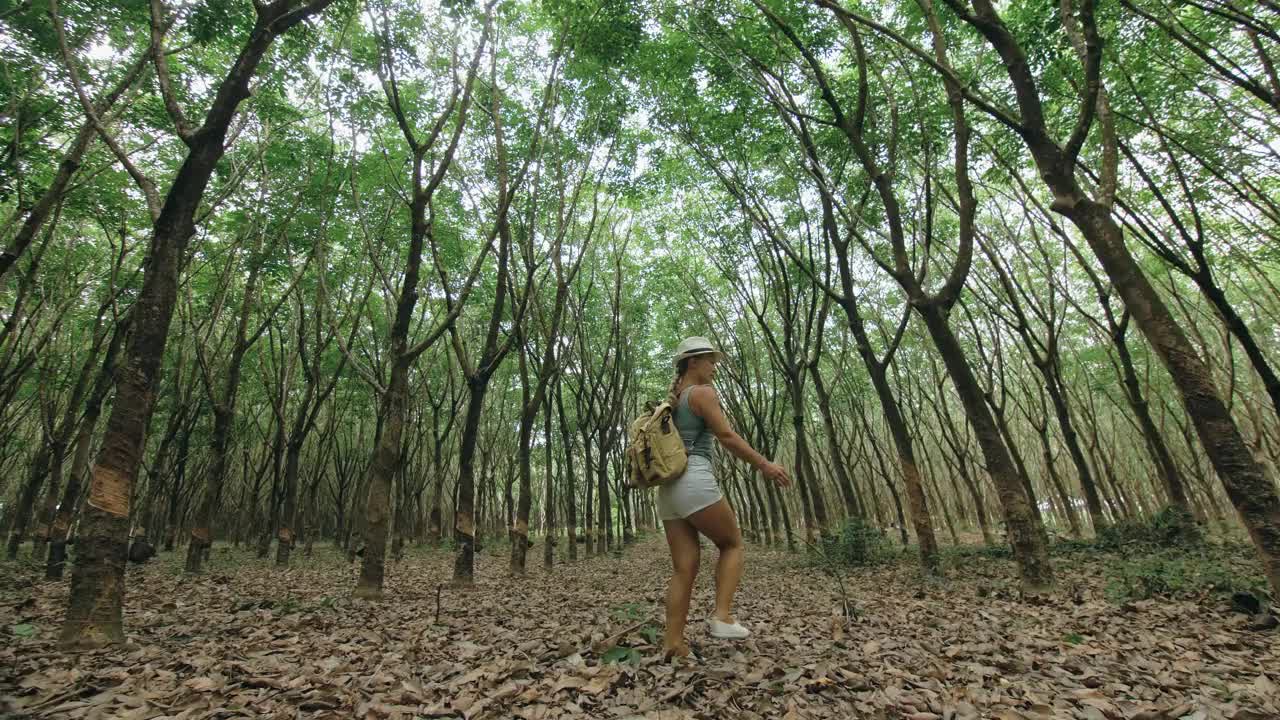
[[631, 611], [1068, 546], [855, 543], [1176, 572], [957, 554], [1169, 528]]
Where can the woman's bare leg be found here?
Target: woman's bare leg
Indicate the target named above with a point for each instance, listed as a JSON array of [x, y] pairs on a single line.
[[682, 539], [720, 526]]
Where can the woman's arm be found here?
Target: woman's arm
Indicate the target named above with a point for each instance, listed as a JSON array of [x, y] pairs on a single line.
[[706, 404]]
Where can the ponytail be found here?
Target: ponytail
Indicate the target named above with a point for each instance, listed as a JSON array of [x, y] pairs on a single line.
[[681, 369]]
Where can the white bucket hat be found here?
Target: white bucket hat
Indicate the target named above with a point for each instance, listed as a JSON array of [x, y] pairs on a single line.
[[692, 346]]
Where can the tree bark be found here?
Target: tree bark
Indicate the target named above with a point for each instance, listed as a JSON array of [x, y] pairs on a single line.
[[1054, 384], [570, 474], [1055, 480], [1174, 485], [548, 499], [61, 524], [848, 493], [1026, 535], [386, 463], [1251, 492], [25, 506], [465, 524], [224, 415]]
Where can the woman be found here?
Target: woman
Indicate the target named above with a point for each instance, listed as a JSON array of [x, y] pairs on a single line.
[[694, 504]]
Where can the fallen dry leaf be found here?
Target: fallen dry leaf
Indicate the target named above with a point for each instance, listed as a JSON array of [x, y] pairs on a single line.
[[255, 642]]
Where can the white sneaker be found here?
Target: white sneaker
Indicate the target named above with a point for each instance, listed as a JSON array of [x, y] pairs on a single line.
[[727, 631]]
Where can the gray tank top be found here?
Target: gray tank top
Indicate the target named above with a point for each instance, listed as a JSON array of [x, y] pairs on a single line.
[[693, 429]]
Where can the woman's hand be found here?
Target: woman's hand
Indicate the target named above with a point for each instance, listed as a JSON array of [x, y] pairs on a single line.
[[775, 472]]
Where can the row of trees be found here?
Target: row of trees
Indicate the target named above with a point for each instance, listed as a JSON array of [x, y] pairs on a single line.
[[908, 171], [414, 268]]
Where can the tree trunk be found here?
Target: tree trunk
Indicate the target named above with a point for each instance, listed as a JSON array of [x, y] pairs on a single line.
[[604, 515], [815, 510], [289, 517], [40, 539], [548, 500], [201, 537], [1019, 465], [1240, 330], [520, 529], [1251, 492], [97, 583], [61, 524], [464, 525], [759, 526], [1026, 533], [1055, 480], [921, 520], [778, 505], [1053, 383], [275, 497], [308, 526], [568, 490], [1162, 458], [979, 503], [175, 492], [382, 471], [848, 493], [435, 518], [588, 506], [303, 422], [36, 475], [959, 452], [946, 507]]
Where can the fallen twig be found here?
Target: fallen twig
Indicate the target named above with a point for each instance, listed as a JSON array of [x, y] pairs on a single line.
[[613, 639]]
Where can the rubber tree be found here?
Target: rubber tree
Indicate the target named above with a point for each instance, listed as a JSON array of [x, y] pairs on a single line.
[[1248, 486], [496, 344], [932, 306], [533, 390], [93, 616], [388, 456]]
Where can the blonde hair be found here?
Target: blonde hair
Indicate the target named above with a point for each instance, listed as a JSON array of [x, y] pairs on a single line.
[[681, 368]]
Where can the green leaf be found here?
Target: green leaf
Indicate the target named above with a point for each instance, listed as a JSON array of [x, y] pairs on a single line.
[[617, 654], [23, 630], [630, 611]]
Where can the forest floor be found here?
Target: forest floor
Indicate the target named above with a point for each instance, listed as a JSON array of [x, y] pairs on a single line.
[[245, 640]]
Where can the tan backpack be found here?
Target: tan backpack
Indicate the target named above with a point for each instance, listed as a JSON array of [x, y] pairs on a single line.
[[656, 452]]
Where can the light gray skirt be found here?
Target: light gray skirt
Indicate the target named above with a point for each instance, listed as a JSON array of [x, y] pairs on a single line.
[[695, 490]]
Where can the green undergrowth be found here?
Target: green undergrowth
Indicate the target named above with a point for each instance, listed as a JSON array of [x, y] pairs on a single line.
[[1165, 555], [854, 544], [1168, 555], [1198, 572], [641, 621], [956, 556], [1169, 528]]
